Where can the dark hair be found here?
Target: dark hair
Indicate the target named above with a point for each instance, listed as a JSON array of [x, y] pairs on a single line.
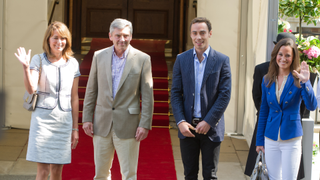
[[274, 68], [201, 20]]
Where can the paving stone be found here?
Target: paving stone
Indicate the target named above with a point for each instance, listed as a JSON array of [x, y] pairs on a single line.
[[23, 154], [230, 171], [10, 153], [227, 146], [19, 177], [14, 139], [24, 131], [176, 152], [240, 144], [242, 156], [5, 166], [24, 167], [228, 157]]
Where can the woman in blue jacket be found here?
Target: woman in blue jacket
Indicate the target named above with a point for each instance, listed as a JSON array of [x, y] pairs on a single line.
[[279, 132]]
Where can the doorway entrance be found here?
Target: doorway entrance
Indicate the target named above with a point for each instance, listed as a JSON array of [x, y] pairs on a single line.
[[151, 19]]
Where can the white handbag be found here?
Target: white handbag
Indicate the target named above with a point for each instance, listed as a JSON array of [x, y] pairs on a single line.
[[260, 171]]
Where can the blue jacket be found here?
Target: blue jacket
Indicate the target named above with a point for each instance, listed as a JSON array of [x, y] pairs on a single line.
[[286, 114], [215, 91]]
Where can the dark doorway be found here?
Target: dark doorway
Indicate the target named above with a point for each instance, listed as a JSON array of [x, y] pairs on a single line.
[[151, 19]]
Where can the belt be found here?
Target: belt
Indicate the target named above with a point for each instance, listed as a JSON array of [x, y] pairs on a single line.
[[195, 121]]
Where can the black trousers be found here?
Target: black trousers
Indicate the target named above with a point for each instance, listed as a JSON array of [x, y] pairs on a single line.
[[190, 150]]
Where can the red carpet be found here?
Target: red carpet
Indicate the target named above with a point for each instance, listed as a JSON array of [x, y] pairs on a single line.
[[155, 159]]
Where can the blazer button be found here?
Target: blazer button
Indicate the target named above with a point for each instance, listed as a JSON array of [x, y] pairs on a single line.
[[112, 108], [286, 102], [276, 111], [290, 92], [269, 93], [270, 102]]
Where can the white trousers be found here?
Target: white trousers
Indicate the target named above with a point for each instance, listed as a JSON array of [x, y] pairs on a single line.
[[127, 151], [283, 159]]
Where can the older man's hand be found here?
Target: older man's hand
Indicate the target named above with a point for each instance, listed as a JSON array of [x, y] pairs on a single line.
[[88, 128], [141, 133]]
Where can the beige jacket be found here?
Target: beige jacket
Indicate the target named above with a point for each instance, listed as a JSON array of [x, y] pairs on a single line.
[[122, 112]]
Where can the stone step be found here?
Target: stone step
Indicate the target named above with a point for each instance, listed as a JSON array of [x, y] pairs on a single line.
[[18, 177]]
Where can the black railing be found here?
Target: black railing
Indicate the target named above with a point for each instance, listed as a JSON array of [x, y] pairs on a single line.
[[52, 11]]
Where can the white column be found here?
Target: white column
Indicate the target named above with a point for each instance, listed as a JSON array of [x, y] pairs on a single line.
[[307, 144]]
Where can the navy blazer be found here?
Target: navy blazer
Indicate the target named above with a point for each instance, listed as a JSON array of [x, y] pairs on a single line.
[[215, 91], [286, 113]]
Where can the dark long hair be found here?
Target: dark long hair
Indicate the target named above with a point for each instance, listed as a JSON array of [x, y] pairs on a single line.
[[273, 71]]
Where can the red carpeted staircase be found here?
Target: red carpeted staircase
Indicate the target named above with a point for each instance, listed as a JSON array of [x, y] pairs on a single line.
[[155, 48]]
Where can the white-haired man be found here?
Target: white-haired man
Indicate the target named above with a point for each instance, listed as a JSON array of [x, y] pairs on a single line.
[[119, 75]]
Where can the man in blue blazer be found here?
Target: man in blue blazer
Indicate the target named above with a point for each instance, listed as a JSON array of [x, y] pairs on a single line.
[[201, 90]]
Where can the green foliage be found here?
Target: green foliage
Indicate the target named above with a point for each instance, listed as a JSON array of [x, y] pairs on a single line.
[[280, 28], [315, 151], [283, 26], [306, 10]]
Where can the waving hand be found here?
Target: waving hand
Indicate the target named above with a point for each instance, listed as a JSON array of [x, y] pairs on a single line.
[[304, 74], [23, 57]]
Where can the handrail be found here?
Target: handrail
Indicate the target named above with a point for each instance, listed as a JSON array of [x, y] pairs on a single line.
[[194, 5], [52, 11]]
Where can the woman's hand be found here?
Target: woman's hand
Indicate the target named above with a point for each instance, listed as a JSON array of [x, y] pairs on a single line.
[[74, 139], [304, 72], [23, 57], [259, 148]]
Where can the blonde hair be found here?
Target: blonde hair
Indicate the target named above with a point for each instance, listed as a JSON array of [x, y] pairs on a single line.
[[273, 71], [63, 31]]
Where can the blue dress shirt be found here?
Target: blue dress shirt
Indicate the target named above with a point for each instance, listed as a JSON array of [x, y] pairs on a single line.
[[199, 68], [198, 71], [117, 67]]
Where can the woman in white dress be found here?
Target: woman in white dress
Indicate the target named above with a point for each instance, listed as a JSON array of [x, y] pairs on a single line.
[[54, 122]]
